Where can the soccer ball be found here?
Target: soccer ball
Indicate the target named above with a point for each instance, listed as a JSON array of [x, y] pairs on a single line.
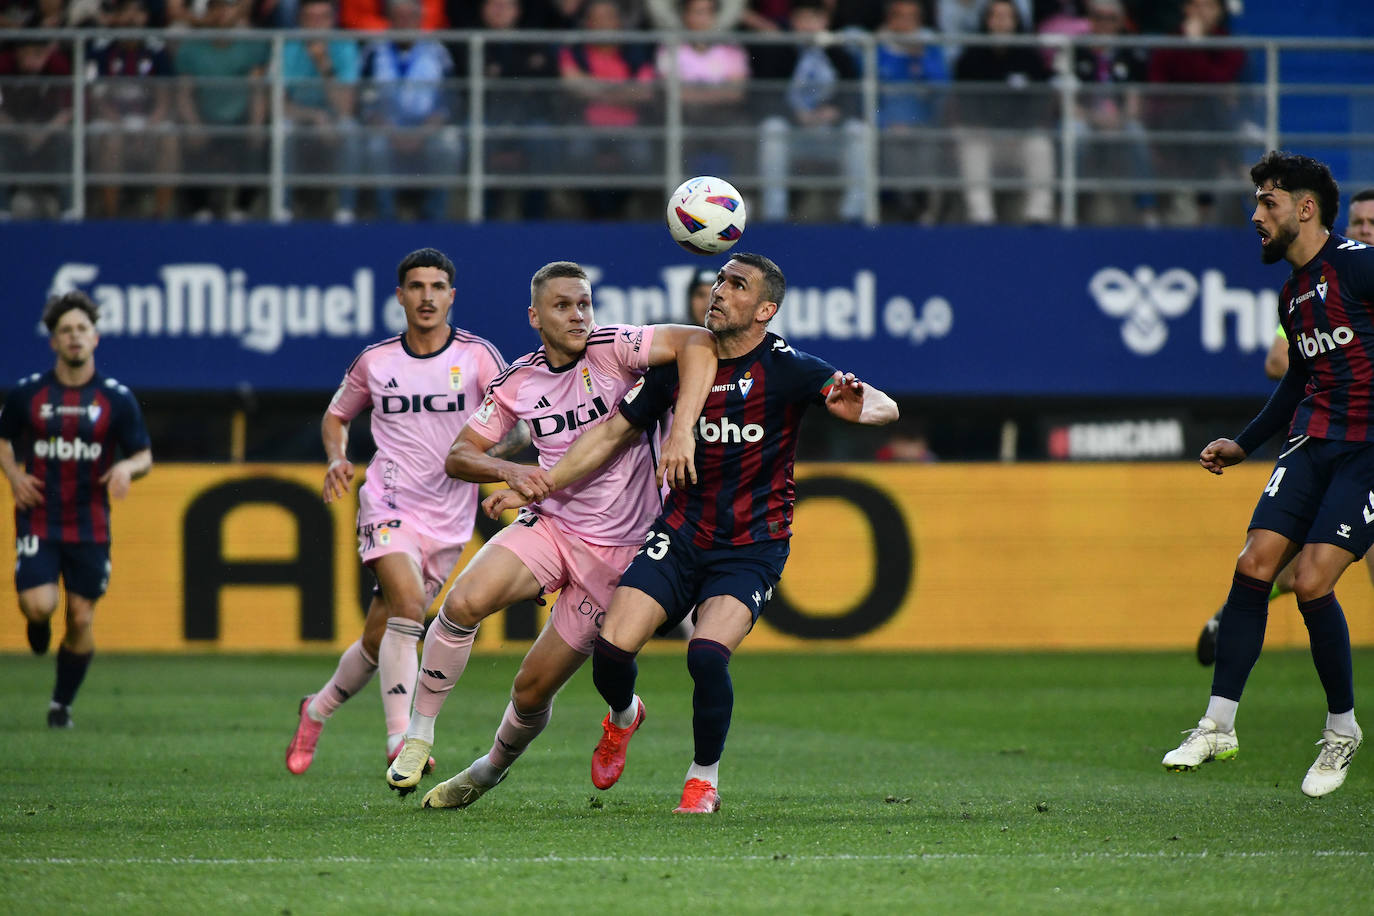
[[706, 215]]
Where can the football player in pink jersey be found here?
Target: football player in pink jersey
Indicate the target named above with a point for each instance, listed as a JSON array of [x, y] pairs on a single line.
[[578, 540], [413, 520]]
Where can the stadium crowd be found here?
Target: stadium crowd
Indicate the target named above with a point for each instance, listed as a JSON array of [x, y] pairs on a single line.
[[383, 106]]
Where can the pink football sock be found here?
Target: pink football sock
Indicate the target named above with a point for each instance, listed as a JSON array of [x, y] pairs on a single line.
[[354, 671], [447, 648], [398, 665], [516, 732]]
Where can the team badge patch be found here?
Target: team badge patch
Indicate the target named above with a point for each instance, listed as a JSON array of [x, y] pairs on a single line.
[[455, 378], [587, 380], [744, 385]]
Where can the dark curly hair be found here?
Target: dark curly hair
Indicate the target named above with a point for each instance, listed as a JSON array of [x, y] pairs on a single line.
[[57, 306], [1293, 172]]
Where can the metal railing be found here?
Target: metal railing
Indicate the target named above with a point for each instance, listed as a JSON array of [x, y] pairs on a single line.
[[895, 151]]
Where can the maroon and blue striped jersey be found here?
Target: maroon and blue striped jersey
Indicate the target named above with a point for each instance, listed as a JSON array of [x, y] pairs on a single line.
[[67, 438], [746, 442], [1327, 308]]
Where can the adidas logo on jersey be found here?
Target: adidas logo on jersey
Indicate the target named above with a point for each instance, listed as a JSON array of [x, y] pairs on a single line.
[[391, 384], [1322, 342], [543, 402]]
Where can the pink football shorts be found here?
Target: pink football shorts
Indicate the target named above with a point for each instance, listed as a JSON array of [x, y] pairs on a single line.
[[383, 535], [586, 573]]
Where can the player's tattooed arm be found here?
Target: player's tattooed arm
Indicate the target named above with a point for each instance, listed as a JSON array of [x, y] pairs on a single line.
[[469, 459], [592, 449], [850, 399], [513, 442], [28, 490]]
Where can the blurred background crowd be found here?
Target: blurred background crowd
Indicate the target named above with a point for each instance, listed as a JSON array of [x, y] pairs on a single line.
[[1135, 112]]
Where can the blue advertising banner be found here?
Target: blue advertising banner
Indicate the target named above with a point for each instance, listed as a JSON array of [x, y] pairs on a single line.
[[913, 310]]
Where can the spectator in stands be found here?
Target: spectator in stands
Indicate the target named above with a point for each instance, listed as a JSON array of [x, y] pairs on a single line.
[[961, 18], [42, 14], [321, 80], [613, 82], [521, 74], [1112, 140], [820, 119], [377, 16], [1060, 17], [130, 108], [35, 102], [411, 111], [911, 93], [223, 109], [714, 78], [669, 14], [908, 442], [1217, 109], [1003, 114]]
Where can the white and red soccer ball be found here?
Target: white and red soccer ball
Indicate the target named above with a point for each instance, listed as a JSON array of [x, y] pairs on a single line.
[[706, 215]]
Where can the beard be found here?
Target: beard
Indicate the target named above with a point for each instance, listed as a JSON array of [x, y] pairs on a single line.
[[1277, 248]]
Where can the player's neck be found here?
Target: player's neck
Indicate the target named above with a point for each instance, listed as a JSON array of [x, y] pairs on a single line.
[[424, 342], [1306, 246], [728, 346], [74, 376]]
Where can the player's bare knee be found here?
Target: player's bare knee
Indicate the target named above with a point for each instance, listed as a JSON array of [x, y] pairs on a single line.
[[529, 695], [464, 610], [1256, 565]]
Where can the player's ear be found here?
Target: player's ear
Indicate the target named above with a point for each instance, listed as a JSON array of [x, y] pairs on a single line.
[[765, 311], [534, 318]]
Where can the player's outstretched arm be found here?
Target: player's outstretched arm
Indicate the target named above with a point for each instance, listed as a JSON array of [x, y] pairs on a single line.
[[852, 400], [591, 450], [1221, 453], [123, 473], [338, 476], [28, 490], [468, 459], [694, 349]]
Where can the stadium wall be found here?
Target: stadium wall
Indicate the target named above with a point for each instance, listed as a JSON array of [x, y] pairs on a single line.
[[884, 557]]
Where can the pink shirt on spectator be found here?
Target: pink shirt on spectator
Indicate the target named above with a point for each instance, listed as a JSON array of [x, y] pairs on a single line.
[[614, 505], [609, 65], [419, 405], [711, 65]]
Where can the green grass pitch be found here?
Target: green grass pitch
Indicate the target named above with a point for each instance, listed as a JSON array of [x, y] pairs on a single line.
[[851, 784]]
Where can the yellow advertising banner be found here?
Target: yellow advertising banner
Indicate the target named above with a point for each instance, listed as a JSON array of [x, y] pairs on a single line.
[[884, 557]]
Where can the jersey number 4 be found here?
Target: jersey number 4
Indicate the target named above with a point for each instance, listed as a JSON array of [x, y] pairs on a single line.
[[1272, 487]]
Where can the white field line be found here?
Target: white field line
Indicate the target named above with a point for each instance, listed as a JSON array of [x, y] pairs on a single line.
[[672, 860]]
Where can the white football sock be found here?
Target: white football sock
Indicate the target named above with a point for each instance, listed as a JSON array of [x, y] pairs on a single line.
[[626, 717], [1223, 712], [1342, 723], [708, 773]]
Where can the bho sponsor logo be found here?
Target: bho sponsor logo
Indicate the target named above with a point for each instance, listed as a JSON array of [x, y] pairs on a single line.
[[725, 431], [66, 449], [1322, 342]]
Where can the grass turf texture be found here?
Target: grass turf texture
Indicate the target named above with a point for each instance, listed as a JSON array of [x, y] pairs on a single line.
[[851, 784]]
